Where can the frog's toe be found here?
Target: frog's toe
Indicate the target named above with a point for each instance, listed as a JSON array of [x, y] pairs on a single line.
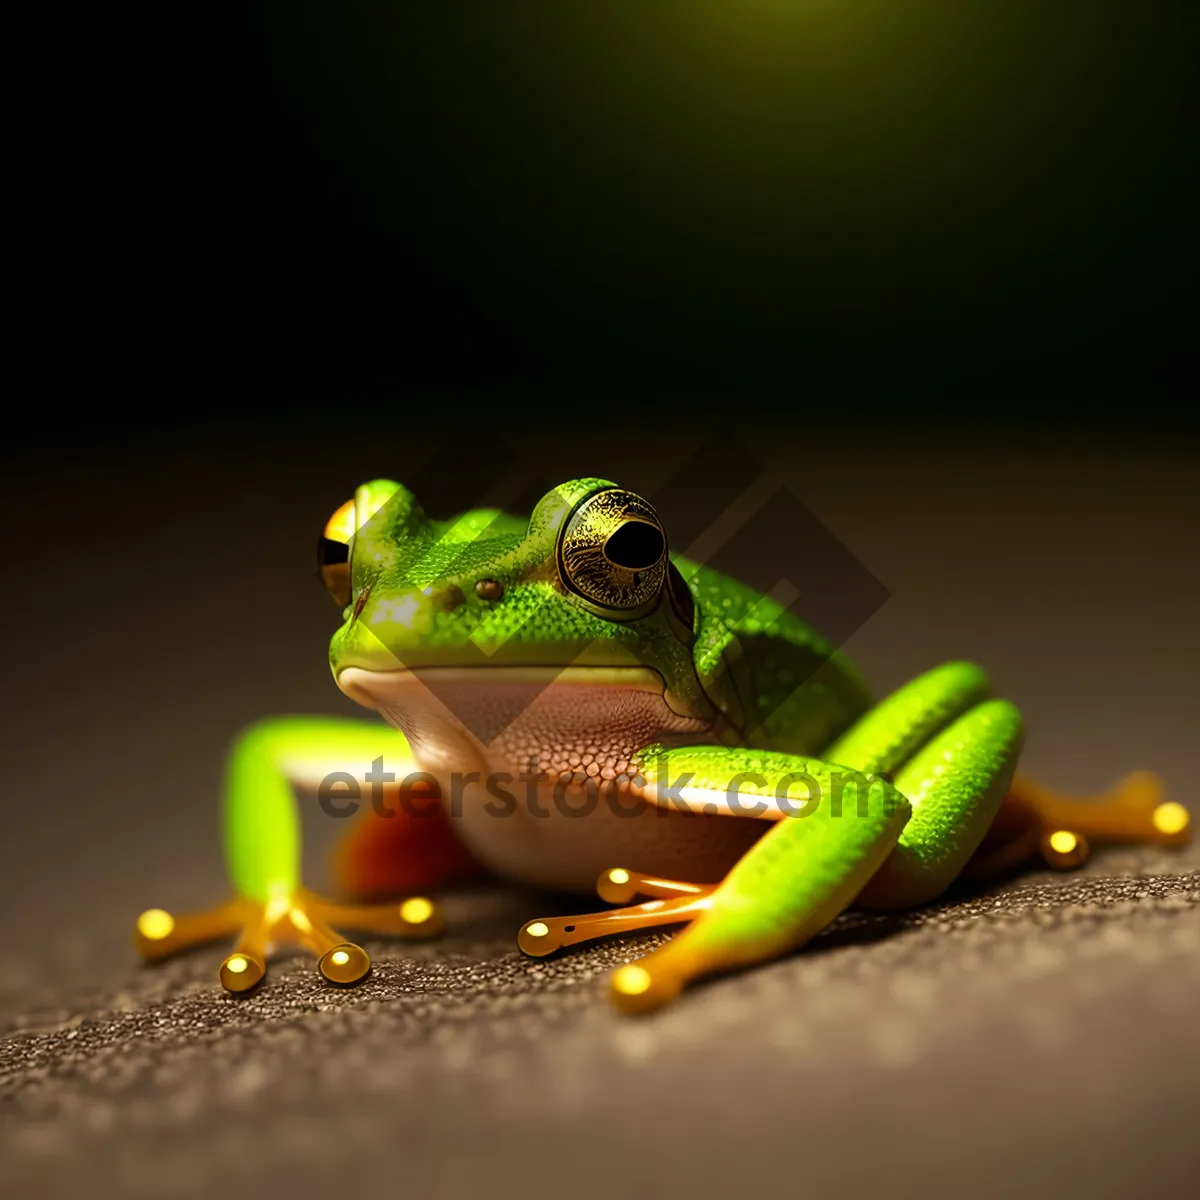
[[619, 886], [345, 964], [541, 937], [547, 934], [1064, 849], [159, 933], [641, 988], [242, 971]]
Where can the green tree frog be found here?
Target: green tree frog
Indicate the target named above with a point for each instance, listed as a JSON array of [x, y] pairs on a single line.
[[569, 705]]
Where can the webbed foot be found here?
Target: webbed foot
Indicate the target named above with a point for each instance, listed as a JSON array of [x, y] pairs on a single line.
[[303, 919], [1036, 821]]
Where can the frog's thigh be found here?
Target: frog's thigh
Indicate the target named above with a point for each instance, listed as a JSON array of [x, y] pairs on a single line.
[[955, 783]]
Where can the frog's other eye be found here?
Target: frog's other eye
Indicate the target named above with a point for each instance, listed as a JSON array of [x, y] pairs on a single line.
[[613, 553], [333, 554]]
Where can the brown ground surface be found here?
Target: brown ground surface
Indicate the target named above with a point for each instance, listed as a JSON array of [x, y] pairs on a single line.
[[1038, 1040]]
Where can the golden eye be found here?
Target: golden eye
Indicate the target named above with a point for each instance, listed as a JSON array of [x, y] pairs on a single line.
[[333, 554], [613, 553]]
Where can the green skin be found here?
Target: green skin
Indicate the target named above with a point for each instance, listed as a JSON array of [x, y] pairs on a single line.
[[947, 749]]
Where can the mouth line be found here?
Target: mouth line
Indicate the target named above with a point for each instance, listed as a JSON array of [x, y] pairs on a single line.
[[359, 683]]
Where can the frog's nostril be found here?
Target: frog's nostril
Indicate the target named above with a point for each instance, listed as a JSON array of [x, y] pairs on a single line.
[[361, 602], [489, 589]]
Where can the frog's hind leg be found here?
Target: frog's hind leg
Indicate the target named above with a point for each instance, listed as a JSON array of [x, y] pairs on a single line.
[[262, 832], [950, 751], [956, 778], [669, 902], [1035, 821]]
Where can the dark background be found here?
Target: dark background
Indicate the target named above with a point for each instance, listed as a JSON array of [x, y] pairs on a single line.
[[878, 216], [931, 261]]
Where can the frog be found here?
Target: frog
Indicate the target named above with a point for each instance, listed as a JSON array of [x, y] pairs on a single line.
[[570, 705]]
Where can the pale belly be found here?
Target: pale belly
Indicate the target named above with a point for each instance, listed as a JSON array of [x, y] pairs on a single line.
[[566, 842]]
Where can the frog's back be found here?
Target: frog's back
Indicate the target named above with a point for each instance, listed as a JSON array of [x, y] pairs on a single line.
[[781, 683]]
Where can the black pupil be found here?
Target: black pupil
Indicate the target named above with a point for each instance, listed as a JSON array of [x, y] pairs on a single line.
[[634, 546]]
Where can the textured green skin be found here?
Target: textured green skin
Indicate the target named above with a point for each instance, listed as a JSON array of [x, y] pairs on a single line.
[[950, 753], [948, 750]]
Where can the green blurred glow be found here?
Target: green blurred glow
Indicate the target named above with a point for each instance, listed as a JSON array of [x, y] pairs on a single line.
[[682, 168]]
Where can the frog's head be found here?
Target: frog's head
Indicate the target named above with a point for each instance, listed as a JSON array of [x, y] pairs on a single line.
[[486, 622]]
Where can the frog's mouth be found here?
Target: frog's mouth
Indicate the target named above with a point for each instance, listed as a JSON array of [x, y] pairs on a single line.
[[588, 719]]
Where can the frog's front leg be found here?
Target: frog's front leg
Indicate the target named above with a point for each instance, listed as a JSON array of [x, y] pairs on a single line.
[[262, 847], [842, 830]]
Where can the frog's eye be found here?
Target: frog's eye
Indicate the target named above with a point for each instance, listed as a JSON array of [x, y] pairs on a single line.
[[333, 554], [613, 553]]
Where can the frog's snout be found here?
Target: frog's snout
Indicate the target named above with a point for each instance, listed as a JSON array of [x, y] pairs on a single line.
[[400, 619], [408, 608]]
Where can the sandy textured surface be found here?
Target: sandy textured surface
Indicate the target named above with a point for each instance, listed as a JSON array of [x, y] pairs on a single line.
[[1044, 1037]]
